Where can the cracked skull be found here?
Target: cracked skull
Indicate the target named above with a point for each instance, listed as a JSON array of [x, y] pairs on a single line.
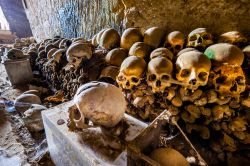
[[224, 53], [193, 69], [77, 53], [159, 73], [227, 75], [106, 110], [233, 37], [131, 72], [229, 80], [175, 41], [199, 38]]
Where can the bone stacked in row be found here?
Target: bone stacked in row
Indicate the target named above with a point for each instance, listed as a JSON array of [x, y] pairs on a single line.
[[203, 85]]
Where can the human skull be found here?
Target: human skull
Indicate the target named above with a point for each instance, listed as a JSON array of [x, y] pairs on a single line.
[[224, 53], [78, 52], [94, 40], [65, 43], [246, 52], [51, 52], [186, 50], [110, 39], [58, 55], [57, 43], [15, 54], [229, 80], [159, 73], [99, 35], [79, 40], [131, 72], [168, 157], [233, 37], [199, 38], [109, 72], [102, 103], [24, 101], [175, 41], [32, 40], [130, 36], [116, 56], [33, 118], [41, 48], [164, 52], [140, 49], [48, 47], [153, 36], [34, 92], [17, 40], [193, 69]]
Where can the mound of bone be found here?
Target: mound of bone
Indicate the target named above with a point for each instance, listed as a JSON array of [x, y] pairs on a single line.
[[202, 84]]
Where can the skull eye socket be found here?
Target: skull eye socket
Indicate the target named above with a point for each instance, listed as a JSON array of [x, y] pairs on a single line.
[[206, 37], [221, 79], [165, 77], [168, 45], [152, 77], [185, 73], [177, 47], [193, 38], [77, 114], [74, 60], [240, 80], [134, 79], [202, 76], [121, 78]]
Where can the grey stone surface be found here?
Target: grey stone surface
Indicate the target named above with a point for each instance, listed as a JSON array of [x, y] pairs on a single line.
[[73, 18]]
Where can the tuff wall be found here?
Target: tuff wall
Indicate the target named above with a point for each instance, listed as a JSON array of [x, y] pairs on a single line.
[[73, 18]]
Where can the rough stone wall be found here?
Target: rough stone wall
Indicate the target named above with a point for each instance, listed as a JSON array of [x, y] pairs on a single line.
[[73, 18]]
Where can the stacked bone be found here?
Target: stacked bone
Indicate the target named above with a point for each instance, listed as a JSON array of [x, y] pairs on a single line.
[[69, 63], [203, 86], [23, 42]]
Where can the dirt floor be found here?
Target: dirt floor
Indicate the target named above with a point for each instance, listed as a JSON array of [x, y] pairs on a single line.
[[17, 145]]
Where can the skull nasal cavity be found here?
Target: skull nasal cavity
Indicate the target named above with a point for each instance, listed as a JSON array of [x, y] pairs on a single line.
[[234, 88], [199, 40], [127, 83], [158, 83], [221, 80], [192, 82]]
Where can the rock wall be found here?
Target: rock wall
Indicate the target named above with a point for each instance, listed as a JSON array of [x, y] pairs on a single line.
[[74, 18], [16, 17]]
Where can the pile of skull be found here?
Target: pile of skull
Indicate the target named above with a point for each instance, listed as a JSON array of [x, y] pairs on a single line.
[[203, 86], [23, 42], [66, 63]]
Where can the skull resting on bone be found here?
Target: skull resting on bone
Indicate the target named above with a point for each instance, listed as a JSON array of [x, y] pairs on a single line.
[[131, 72], [228, 80], [224, 53], [130, 36], [175, 41], [78, 52], [193, 69], [233, 37], [159, 73], [102, 103], [199, 38], [164, 52]]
